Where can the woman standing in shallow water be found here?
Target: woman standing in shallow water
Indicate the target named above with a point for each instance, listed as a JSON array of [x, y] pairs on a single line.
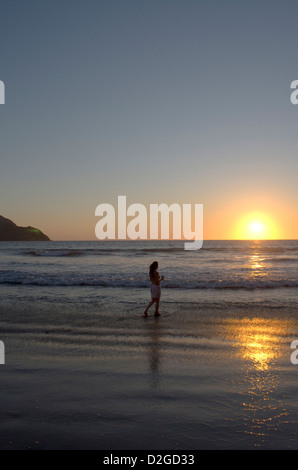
[[155, 279]]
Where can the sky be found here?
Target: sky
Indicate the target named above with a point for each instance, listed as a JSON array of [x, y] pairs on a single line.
[[164, 101]]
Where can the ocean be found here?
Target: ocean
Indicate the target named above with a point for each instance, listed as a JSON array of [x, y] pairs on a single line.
[[256, 269], [84, 369]]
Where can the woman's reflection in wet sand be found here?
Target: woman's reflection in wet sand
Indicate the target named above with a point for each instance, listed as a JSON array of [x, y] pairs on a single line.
[[155, 332]]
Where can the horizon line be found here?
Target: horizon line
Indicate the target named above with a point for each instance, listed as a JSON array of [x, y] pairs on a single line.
[[164, 240]]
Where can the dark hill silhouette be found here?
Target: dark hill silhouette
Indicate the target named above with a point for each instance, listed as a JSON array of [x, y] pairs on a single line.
[[9, 231]]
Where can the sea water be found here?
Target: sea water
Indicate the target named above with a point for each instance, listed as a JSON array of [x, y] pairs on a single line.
[[246, 271], [84, 369]]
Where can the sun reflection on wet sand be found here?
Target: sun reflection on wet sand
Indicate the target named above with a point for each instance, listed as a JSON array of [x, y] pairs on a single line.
[[256, 340], [258, 343]]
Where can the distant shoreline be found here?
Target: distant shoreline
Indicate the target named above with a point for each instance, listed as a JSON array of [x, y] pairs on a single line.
[[10, 232]]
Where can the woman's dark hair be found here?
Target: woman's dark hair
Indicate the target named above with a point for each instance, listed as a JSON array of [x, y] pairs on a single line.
[[153, 267]]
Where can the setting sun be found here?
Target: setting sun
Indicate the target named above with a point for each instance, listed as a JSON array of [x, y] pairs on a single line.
[[256, 226]]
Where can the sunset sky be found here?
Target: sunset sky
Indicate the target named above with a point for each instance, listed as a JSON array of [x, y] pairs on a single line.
[[161, 100]]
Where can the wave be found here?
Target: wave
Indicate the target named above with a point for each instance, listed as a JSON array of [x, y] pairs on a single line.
[[52, 253], [56, 252], [13, 278], [277, 253], [100, 252]]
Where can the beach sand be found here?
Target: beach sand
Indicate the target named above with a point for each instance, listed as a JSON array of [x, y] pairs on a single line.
[[106, 378]]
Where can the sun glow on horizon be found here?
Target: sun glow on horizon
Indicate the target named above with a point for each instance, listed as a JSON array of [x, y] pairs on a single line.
[[256, 226]]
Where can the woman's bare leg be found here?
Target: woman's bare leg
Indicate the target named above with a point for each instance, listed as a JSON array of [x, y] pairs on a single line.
[[156, 308], [148, 306]]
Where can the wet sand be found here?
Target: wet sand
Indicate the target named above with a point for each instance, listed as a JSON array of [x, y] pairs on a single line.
[[106, 378]]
